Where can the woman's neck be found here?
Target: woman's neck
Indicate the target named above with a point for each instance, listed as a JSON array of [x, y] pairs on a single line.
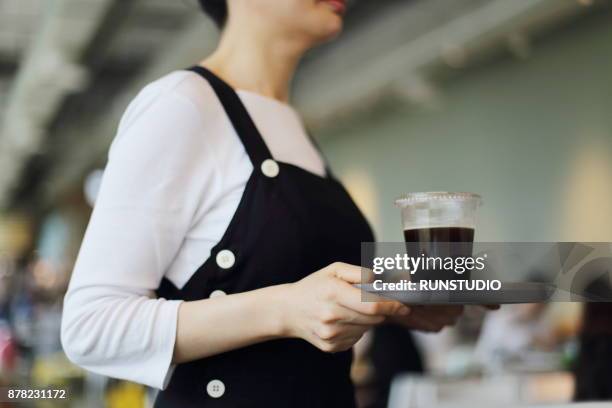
[[256, 61]]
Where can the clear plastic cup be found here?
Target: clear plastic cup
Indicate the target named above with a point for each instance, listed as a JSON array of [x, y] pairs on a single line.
[[439, 225], [439, 209]]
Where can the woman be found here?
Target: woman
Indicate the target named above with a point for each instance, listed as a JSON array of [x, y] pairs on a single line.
[[218, 261]]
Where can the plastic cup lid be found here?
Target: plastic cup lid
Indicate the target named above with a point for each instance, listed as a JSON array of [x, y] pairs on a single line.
[[411, 198]]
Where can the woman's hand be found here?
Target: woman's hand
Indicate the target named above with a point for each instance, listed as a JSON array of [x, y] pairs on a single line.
[[430, 318], [326, 310], [433, 318]]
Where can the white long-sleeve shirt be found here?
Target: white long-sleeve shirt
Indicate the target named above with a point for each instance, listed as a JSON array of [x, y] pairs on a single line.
[[175, 174]]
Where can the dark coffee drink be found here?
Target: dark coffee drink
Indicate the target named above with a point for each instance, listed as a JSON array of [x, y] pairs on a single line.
[[440, 234], [440, 242]]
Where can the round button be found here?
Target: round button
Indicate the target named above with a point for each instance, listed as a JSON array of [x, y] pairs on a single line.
[[217, 293], [270, 168], [226, 259], [215, 389]]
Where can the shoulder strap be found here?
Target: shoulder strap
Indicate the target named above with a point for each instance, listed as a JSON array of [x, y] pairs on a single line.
[[248, 133]]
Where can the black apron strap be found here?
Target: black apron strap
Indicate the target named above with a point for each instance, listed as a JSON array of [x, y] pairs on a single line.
[[248, 133]]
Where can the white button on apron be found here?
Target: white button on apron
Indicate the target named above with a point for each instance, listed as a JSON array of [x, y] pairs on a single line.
[[226, 259], [217, 293], [215, 389], [270, 168]]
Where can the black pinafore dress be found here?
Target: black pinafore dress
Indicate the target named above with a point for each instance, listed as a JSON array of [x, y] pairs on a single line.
[[288, 224]]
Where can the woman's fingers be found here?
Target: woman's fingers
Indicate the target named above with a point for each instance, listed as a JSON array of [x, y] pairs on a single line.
[[338, 337], [341, 314], [350, 273], [350, 297], [446, 315], [431, 318]]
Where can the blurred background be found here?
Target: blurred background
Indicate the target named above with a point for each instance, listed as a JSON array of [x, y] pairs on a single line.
[[511, 99]]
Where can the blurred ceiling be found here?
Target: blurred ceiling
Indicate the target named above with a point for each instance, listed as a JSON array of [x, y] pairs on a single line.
[[68, 68]]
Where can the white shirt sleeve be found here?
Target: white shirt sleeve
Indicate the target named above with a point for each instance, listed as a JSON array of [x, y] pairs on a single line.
[[160, 172]]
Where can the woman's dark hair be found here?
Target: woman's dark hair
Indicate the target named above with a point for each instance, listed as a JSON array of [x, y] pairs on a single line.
[[216, 9]]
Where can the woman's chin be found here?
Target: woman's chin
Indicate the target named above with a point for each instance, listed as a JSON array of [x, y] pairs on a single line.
[[320, 27], [331, 29]]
